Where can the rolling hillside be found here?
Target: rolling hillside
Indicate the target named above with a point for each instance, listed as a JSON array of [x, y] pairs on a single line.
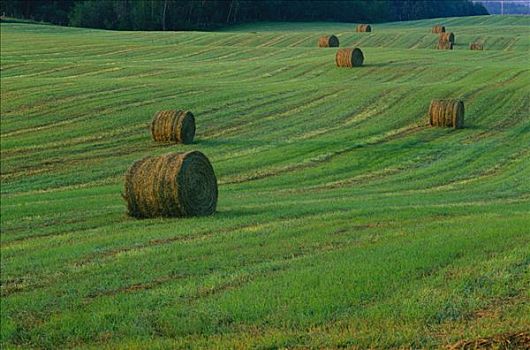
[[343, 219]]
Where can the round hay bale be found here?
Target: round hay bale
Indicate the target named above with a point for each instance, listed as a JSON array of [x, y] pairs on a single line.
[[349, 57], [438, 29], [328, 41], [476, 46], [363, 28], [173, 126], [447, 113], [447, 36], [171, 185], [444, 45]]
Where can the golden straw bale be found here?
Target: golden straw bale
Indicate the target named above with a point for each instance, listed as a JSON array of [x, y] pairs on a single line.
[[438, 29], [173, 126], [349, 57], [476, 46], [444, 45], [363, 28], [328, 41], [446, 113], [447, 36], [171, 185]]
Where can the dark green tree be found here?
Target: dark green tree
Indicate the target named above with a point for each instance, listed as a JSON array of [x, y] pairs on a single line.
[[205, 14]]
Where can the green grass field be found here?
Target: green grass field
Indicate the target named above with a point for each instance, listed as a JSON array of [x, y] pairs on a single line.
[[343, 219]]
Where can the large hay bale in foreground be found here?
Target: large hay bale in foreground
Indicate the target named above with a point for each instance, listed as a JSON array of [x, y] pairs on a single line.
[[171, 185], [438, 29], [173, 126], [447, 36], [328, 41], [363, 28], [349, 57], [444, 45], [447, 113], [476, 46]]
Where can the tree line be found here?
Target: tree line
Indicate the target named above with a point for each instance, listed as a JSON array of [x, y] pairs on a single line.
[[513, 7], [206, 14]]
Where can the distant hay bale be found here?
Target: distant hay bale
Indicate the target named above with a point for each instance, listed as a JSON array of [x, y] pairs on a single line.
[[446, 113], [173, 126], [444, 45], [363, 28], [171, 185], [476, 46], [349, 57], [447, 36], [438, 29], [328, 41]]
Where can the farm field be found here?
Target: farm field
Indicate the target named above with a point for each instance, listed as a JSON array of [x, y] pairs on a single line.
[[343, 219]]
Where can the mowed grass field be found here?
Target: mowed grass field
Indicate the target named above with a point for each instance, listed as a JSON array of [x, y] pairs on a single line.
[[343, 220]]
